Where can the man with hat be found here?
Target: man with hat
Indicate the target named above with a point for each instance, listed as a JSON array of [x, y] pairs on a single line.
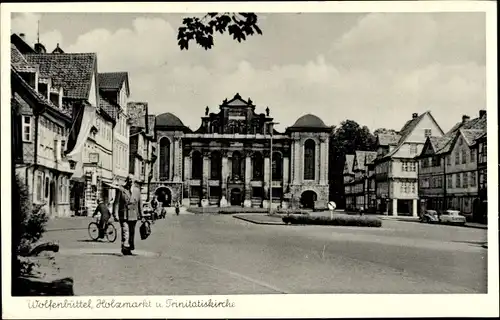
[[128, 206]]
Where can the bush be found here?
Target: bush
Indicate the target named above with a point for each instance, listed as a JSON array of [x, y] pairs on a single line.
[[28, 225], [337, 220], [226, 210]]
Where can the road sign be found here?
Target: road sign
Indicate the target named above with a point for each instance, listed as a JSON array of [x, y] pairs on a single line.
[[331, 207]]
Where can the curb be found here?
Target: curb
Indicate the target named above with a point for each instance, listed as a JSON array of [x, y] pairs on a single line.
[[408, 220], [258, 222]]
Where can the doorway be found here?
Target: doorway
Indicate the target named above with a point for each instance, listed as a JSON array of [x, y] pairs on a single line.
[[236, 197], [164, 196], [307, 199]]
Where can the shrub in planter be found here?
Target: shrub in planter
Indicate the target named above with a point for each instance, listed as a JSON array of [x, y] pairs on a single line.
[[337, 220]]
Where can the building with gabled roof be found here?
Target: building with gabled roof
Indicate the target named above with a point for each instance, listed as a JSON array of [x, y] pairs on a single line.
[[349, 194], [40, 127], [360, 188], [395, 166], [449, 170]]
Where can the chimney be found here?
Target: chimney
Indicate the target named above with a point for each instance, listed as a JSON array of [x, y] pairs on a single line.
[[414, 116], [22, 36], [465, 118], [482, 113]]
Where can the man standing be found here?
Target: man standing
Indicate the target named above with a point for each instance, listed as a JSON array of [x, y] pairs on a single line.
[[128, 205]]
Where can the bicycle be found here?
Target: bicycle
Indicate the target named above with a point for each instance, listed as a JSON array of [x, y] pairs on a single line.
[[109, 231]]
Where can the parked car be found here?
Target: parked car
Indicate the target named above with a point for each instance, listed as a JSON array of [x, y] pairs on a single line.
[[430, 216], [452, 217]]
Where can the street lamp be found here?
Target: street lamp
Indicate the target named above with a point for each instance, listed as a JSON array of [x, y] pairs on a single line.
[[271, 123]]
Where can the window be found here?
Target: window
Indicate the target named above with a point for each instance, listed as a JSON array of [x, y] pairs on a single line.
[[473, 179], [464, 156], [413, 187], [458, 183], [236, 163], [39, 187], [197, 164], [457, 157], [46, 187], [413, 167], [436, 161], [27, 130], [277, 166], [215, 165], [165, 159], [63, 147], [258, 166], [413, 149], [405, 165], [309, 160], [460, 142], [448, 160], [465, 180], [427, 132], [450, 181], [472, 155]]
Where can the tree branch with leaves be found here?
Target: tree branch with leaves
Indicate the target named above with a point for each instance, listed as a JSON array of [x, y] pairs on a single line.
[[201, 30]]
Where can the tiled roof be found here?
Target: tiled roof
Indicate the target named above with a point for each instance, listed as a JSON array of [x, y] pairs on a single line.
[[72, 71], [168, 120], [19, 62], [39, 97], [137, 113], [349, 160], [112, 80], [364, 157], [388, 139], [107, 106], [477, 124], [471, 135]]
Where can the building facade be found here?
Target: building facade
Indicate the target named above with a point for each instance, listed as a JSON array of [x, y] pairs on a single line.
[[481, 145], [44, 124], [396, 169], [236, 157], [449, 169], [114, 92]]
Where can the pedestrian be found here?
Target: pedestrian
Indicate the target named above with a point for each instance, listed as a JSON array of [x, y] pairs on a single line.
[[154, 206], [177, 209], [104, 215], [128, 205]]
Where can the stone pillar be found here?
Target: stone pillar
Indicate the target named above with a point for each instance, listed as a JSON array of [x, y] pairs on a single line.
[[177, 158], [298, 163], [206, 172], [187, 167], [292, 162], [318, 163], [225, 173], [248, 188], [171, 161], [286, 174], [267, 168], [414, 207], [324, 162], [394, 207]]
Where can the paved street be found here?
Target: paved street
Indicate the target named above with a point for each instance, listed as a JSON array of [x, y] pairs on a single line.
[[218, 254]]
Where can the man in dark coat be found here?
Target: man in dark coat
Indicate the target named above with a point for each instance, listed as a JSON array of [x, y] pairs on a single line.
[[128, 205], [103, 211]]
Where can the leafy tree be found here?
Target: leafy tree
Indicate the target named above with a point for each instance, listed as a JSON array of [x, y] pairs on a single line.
[[346, 139], [201, 30], [384, 131]]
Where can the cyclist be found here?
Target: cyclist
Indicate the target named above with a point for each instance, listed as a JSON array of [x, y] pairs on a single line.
[[104, 215]]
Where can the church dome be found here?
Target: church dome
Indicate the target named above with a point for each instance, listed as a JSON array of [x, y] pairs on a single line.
[[168, 120], [309, 121]]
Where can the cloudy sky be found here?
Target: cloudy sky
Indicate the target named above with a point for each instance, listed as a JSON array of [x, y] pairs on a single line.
[[376, 69]]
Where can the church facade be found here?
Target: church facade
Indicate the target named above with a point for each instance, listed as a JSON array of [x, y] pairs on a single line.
[[237, 158]]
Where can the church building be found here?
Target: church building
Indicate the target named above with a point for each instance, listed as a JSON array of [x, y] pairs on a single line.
[[236, 157]]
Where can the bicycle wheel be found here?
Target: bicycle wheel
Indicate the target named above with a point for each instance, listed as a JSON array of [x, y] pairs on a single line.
[[111, 232], [93, 231]]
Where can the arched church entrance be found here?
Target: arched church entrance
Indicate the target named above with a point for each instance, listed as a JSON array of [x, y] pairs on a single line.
[[235, 197], [308, 198], [164, 196]]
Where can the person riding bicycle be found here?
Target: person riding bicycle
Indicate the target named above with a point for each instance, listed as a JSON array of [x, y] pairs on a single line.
[[104, 215]]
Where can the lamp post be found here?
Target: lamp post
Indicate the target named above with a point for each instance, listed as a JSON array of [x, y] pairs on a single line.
[[271, 123]]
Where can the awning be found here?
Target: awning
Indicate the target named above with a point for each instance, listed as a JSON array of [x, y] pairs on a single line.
[[113, 186], [88, 120]]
